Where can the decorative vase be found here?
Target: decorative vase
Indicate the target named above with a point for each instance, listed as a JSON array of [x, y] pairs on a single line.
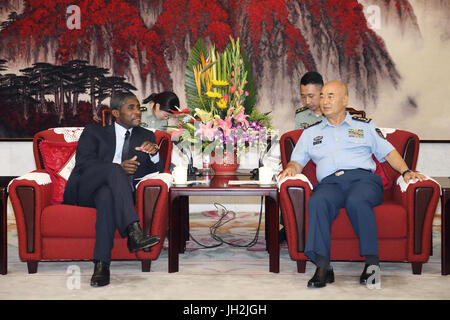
[[224, 164]]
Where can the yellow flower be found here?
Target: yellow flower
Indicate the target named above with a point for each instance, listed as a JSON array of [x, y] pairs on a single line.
[[213, 94], [222, 104], [203, 115], [219, 83]]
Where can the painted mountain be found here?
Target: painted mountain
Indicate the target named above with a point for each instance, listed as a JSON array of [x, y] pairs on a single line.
[[145, 44]]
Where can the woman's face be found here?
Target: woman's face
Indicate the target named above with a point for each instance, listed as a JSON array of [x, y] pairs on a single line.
[[160, 114]]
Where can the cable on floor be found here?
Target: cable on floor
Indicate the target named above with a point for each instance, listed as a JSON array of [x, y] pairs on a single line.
[[213, 229]]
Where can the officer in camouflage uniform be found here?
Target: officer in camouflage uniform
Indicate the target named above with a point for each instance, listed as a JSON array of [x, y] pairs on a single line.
[[310, 85], [150, 121], [158, 108]]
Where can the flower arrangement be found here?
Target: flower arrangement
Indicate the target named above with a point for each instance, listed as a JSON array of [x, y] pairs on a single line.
[[220, 94]]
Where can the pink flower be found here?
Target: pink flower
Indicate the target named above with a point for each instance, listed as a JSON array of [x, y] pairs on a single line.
[[241, 117], [225, 125], [207, 130], [232, 89]]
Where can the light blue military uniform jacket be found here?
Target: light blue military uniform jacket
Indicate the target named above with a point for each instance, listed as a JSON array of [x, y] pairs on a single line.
[[349, 145]]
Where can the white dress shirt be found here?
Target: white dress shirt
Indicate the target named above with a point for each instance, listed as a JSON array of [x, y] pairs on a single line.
[[120, 139]]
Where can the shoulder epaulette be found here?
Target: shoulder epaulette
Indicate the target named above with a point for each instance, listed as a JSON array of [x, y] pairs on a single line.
[[301, 109], [313, 124], [362, 119]]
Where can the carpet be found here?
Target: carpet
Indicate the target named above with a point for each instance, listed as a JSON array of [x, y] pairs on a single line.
[[224, 272]]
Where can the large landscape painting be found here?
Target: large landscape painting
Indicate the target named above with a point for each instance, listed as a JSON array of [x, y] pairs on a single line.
[[61, 60]]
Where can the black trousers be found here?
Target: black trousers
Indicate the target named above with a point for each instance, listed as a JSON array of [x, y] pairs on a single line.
[[107, 188]]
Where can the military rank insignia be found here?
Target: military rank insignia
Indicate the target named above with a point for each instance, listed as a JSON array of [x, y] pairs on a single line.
[[313, 124], [300, 109], [362, 119], [317, 140], [380, 133], [356, 133]]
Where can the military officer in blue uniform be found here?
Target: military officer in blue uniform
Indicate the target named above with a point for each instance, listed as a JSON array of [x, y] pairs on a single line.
[[341, 146]]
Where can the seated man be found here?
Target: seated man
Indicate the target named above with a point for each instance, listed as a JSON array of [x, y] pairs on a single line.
[[108, 162], [341, 146], [310, 85]]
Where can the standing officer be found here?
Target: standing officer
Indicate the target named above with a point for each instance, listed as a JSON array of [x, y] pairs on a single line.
[[341, 146], [310, 85], [108, 162]]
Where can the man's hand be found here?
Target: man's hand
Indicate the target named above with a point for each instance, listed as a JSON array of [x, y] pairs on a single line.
[[413, 175], [130, 166], [291, 170], [396, 161], [148, 147]]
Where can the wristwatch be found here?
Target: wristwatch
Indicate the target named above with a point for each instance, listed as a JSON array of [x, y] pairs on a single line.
[[405, 172]]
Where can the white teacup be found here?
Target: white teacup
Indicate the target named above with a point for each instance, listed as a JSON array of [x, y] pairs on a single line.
[[265, 175], [179, 174]]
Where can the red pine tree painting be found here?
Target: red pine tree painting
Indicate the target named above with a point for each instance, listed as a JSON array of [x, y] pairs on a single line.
[[142, 39]]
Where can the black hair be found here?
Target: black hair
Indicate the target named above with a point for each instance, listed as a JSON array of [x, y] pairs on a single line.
[[167, 100], [312, 77], [119, 99]]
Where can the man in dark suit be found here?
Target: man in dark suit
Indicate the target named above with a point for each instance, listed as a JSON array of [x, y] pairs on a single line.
[[108, 162]]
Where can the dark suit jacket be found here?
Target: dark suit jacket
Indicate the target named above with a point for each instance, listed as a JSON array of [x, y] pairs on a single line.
[[97, 145]]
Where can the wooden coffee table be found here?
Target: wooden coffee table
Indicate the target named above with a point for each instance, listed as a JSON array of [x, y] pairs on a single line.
[[445, 224], [219, 186]]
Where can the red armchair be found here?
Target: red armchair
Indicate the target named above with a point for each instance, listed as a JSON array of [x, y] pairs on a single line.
[[49, 230], [404, 219]]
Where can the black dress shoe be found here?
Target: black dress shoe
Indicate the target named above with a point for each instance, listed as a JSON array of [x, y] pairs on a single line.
[[137, 239], [100, 277], [364, 278], [321, 277]]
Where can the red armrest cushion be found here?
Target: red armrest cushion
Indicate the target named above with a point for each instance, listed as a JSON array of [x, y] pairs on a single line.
[[387, 182], [56, 157]]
